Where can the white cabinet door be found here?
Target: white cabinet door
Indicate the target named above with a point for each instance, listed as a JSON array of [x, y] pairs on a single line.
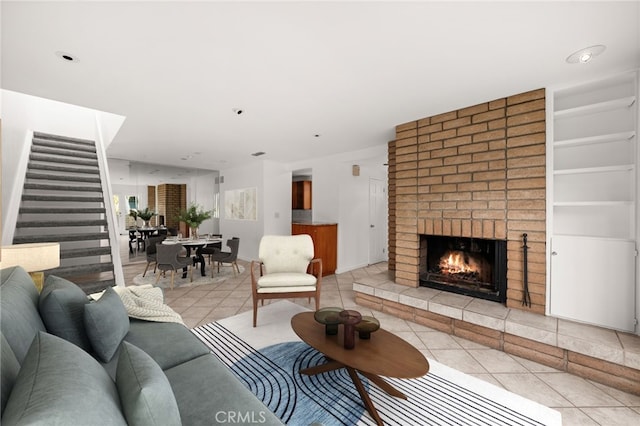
[[593, 281]]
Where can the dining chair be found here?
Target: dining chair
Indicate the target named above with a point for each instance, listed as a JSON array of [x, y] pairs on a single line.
[[287, 269], [227, 256], [168, 259], [132, 240], [152, 253], [212, 248]]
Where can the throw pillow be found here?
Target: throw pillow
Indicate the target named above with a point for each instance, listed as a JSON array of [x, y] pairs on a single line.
[[61, 306], [107, 323], [145, 393], [61, 384]]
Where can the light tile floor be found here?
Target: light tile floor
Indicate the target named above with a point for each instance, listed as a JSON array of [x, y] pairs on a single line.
[[581, 402]]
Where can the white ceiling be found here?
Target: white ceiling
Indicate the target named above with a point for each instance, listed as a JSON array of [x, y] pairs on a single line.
[[348, 71]]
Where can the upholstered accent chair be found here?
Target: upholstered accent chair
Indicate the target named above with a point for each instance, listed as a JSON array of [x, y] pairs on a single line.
[[169, 259], [286, 269]]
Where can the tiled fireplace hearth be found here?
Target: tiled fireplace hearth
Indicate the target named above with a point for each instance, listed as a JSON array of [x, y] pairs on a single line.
[[479, 173]]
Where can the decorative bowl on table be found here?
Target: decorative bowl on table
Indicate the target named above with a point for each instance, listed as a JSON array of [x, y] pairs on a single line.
[[330, 317], [367, 326]]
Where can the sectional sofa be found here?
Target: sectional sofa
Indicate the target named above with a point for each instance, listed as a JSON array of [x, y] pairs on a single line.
[[67, 360]]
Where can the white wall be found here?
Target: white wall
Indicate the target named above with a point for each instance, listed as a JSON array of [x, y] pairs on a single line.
[[201, 190], [248, 231], [277, 199], [339, 197], [273, 183]]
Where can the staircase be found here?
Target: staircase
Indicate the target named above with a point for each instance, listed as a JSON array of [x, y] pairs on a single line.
[[62, 201]]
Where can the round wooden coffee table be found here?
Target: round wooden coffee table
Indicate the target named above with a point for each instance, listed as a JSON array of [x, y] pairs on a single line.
[[384, 354]]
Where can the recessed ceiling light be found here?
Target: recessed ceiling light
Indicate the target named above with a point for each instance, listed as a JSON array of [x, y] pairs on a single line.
[[67, 57], [317, 135], [583, 56], [258, 154], [238, 111]]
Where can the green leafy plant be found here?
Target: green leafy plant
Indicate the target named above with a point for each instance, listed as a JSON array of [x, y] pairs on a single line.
[[194, 215], [146, 214], [134, 214]]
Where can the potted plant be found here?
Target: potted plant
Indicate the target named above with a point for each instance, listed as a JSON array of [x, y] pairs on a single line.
[[146, 215], [193, 216], [134, 214]]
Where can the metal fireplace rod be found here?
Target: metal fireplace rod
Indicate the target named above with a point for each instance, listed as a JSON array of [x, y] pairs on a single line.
[[526, 298]]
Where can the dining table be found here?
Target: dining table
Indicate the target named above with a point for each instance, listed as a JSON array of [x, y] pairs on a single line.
[[194, 244]]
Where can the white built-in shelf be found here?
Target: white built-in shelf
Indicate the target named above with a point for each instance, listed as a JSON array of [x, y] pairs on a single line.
[[613, 137], [604, 169], [592, 203], [594, 237], [625, 102]]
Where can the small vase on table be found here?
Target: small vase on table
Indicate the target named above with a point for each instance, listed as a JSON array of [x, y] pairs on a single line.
[[349, 319]]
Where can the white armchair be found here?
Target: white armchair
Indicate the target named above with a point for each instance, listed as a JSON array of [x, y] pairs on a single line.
[[286, 269]]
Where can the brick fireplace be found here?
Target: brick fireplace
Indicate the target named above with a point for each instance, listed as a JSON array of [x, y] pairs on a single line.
[[477, 172]]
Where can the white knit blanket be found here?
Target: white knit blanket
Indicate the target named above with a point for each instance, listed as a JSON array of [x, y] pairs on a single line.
[[147, 303]]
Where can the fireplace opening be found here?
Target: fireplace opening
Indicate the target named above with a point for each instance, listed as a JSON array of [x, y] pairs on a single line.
[[475, 267]]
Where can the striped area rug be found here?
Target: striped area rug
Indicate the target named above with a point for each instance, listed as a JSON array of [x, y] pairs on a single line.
[[442, 397]]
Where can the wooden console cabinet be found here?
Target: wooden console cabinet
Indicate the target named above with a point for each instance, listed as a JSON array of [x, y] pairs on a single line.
[[325, 242]]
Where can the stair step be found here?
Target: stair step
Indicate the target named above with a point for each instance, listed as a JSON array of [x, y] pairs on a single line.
[[52, 168], [61, 151], [50, 177], [22, 239], [49, 159], [62, 198], [64, 145], [46, 187], [70, 210], [84, 252], [49, 136], [59, 223], [87, 268]]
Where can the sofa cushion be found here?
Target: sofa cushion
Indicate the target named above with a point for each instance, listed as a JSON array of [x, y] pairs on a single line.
[[20, 320], [61, 306], [10, 368], [106, 322], [59, 383], [209, 393], [151, 337], [145, 392]]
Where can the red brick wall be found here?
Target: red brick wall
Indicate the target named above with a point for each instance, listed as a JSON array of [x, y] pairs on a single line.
[[475, 172]]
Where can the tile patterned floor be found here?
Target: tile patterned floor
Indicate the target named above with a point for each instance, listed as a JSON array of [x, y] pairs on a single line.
[[581, 402]]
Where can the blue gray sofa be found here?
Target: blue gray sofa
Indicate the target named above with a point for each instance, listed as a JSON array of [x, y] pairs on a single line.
[[68, 361]]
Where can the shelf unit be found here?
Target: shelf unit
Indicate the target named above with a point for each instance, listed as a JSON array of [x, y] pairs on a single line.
[[592, 201]]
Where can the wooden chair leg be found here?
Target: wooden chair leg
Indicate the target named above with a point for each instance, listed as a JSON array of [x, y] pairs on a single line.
[[255, 311], [173, 274], [158, 278], [145, 269]]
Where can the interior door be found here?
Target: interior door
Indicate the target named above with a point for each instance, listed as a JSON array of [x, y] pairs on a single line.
[[377, 221]]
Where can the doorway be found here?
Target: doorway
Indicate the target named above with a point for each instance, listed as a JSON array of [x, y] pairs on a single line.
[[377, 221]]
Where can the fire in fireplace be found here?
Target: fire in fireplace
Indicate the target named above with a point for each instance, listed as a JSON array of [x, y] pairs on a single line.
[[472, 266]]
